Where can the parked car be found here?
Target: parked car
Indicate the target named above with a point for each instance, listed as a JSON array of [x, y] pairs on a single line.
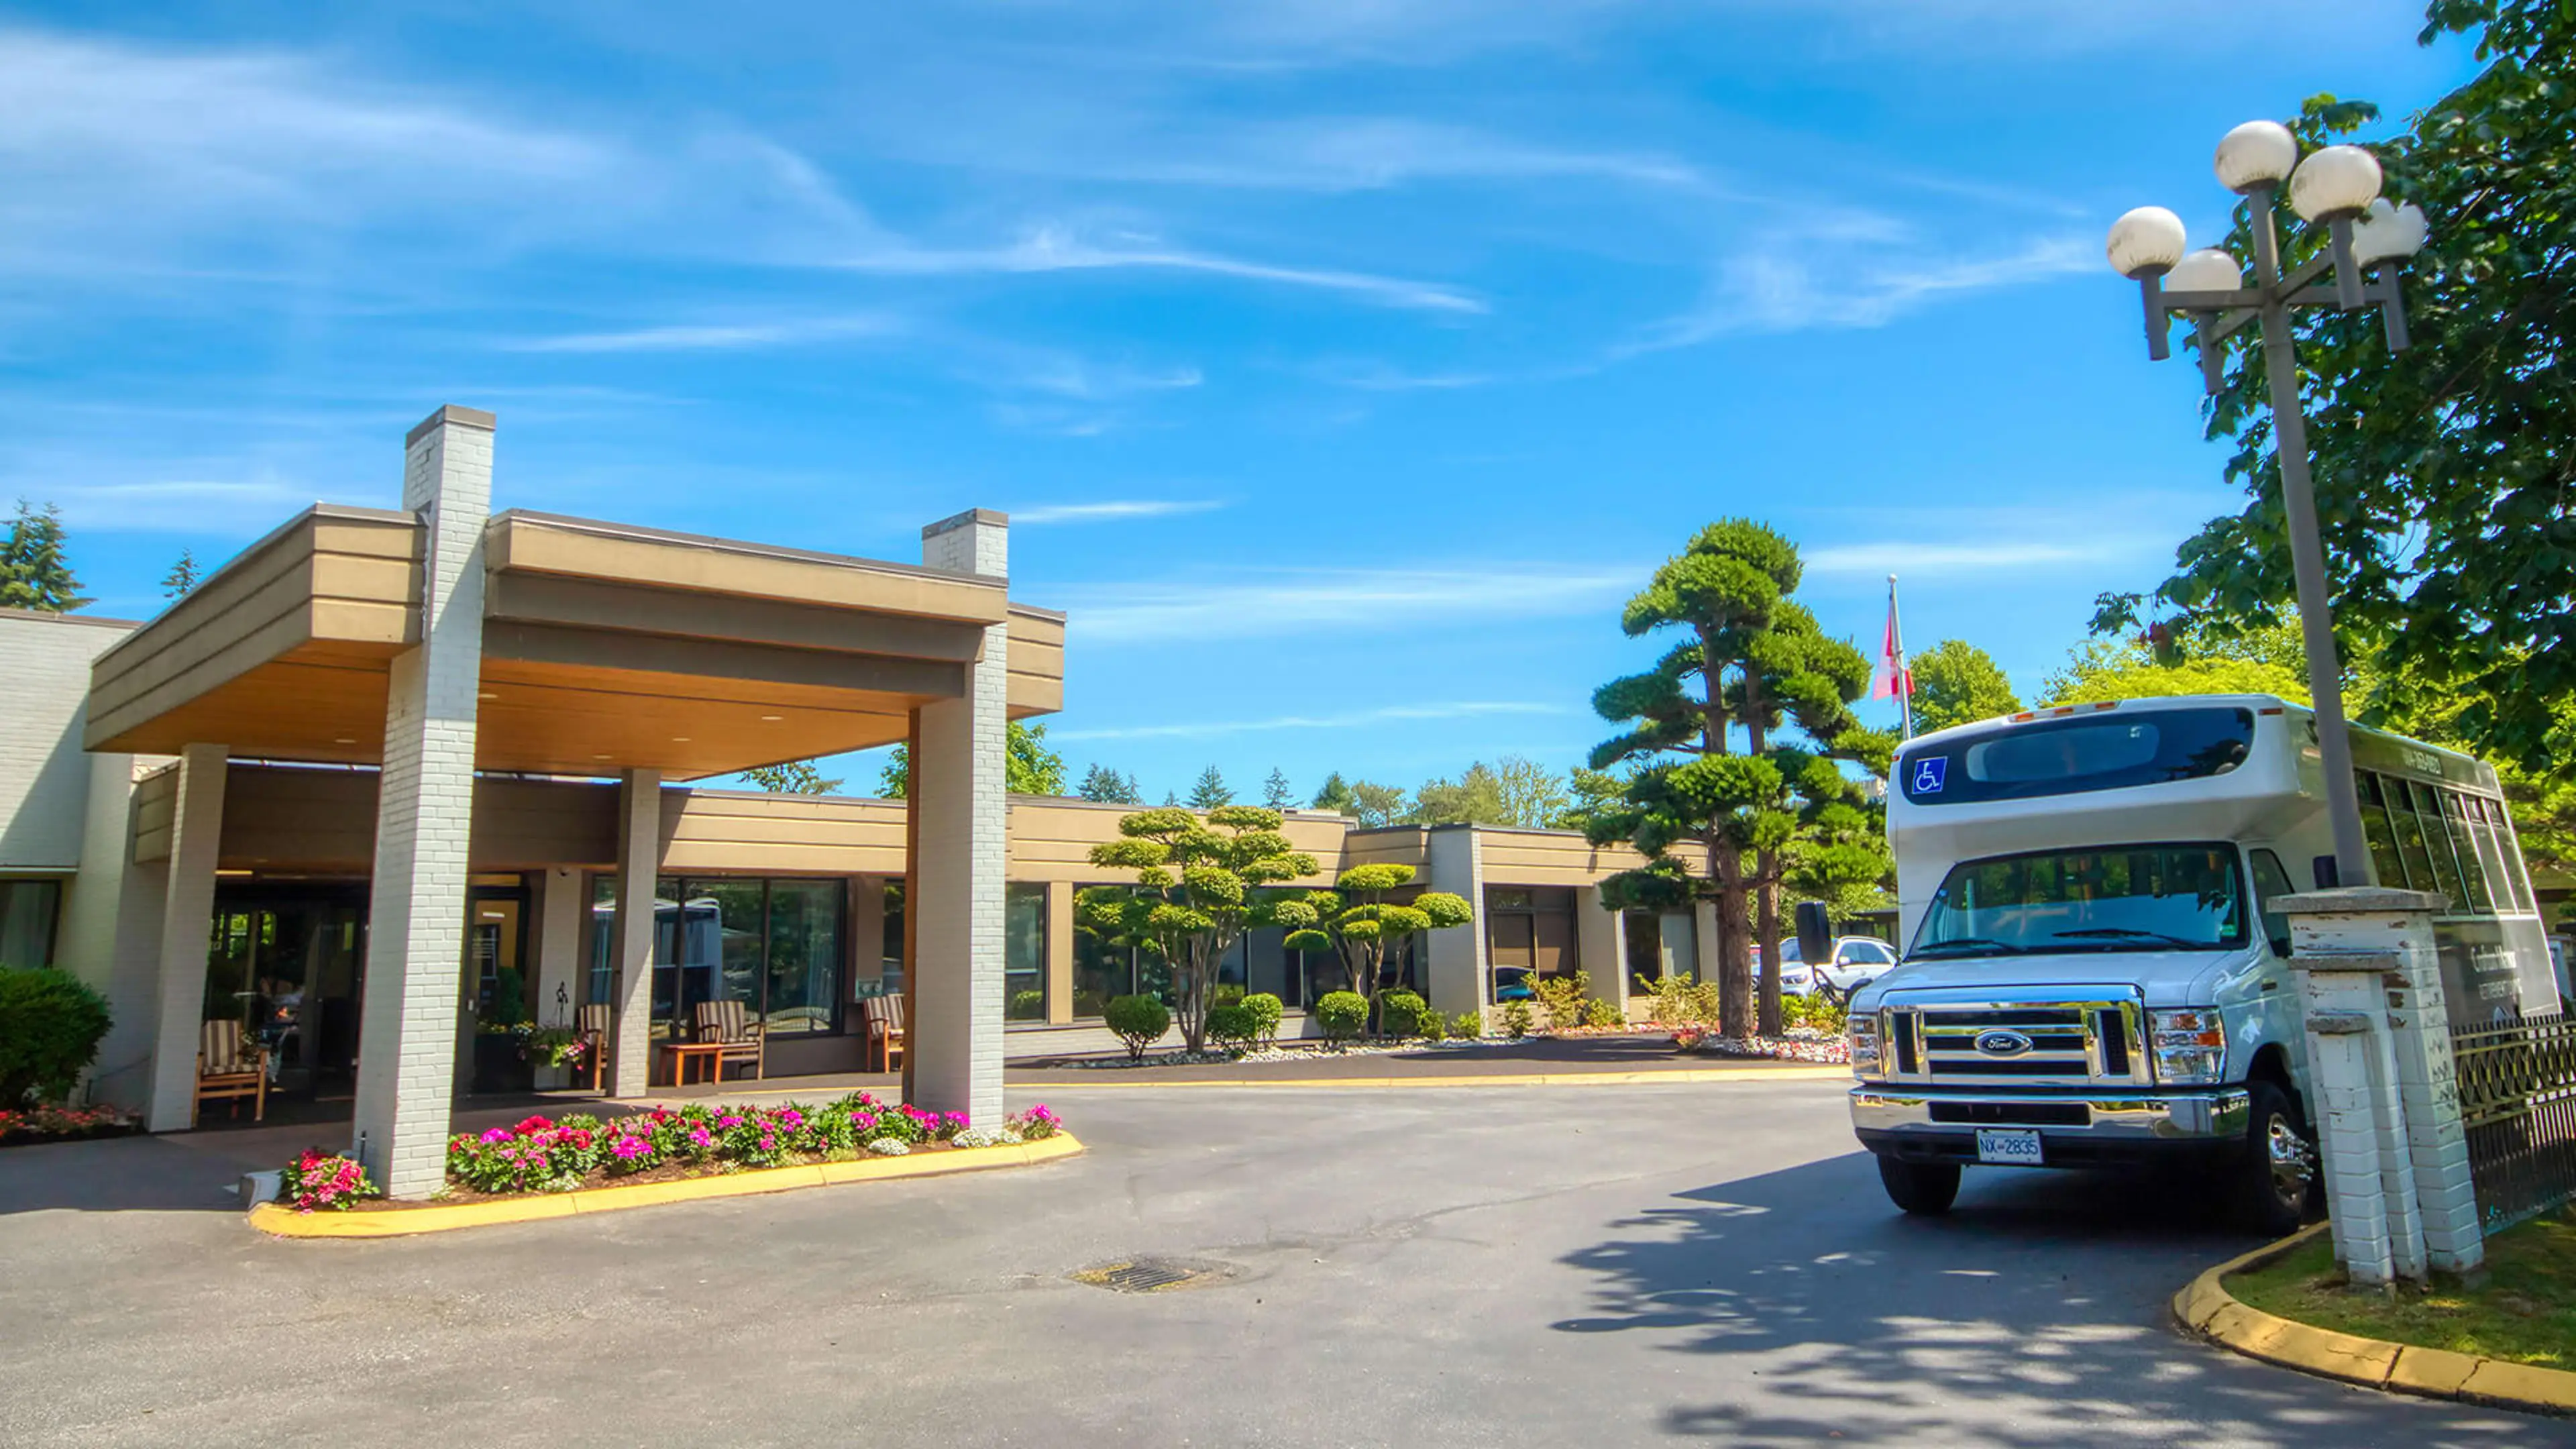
[[1512, 983], [1857, 961]]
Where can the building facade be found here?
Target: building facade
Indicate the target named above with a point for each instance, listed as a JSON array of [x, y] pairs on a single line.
[[391, 779]]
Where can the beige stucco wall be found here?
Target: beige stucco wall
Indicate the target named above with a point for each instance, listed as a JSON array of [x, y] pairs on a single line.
[[44, 776]]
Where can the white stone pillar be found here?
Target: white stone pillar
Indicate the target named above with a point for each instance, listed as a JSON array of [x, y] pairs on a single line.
[[2366, 958], [954, 1059], [425, 818], [639, 868], [1455, 962], [187, 919], [1708, 963], [1601, 944], [560, 903]]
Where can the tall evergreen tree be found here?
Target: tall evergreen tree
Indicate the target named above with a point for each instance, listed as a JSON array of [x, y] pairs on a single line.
[[33, 572], [1274, 791], [1715, 824], [1211, 791], [1108, 787], [182, 577]]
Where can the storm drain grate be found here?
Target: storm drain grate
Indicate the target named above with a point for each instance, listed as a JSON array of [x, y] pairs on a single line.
[[1152, 1275]]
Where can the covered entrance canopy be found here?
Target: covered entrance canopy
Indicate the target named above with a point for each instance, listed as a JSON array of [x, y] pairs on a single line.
[[442, 641]]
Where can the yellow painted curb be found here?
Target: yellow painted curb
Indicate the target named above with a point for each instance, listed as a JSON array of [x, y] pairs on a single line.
[[1794, 1073], [2206, 1308], [285, 1222]]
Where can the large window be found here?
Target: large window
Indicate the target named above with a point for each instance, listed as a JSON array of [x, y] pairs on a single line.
[[2106, 751], [27, 922], [2114, 898], [773, 945], [1024, 931], [2426, 838]]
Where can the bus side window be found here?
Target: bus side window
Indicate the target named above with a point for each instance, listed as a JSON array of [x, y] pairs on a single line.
[[2384, 856], [2271, 883]]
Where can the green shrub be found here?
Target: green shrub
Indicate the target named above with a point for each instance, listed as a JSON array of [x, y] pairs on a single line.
[[1679, 1001], [1562, 994], [1818, 1011], [1342, 1014], [1225, 993], [1231, 1024], [1516, 1019], [1027, 1005], [51, 1023], [1432, 1026], [1401, 1013], [1602, 1013], [1467, 1026], [1266, 1010], [1139, 1021]]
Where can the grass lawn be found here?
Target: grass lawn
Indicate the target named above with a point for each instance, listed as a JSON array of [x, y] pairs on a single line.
[[2525, 1313]]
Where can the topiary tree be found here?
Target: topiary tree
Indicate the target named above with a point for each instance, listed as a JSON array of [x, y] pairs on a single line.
[[1232, 1024], [1342, 1014], [1197, 891], [1715, 824], [1405, 1014], [1357, 922], [51, 1023], [1266, 1010]]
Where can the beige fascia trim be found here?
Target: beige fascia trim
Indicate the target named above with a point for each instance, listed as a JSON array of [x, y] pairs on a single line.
[[50, 617], [536, 541], [263, 544]]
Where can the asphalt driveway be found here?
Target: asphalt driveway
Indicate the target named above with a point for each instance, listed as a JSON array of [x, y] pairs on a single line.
[[1426, 1266]]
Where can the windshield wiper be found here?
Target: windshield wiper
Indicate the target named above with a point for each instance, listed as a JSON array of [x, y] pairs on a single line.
[[2124, 934], [1978, 944]]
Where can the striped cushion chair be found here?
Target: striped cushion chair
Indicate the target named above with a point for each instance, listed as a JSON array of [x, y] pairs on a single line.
[[881, 1020], [743, 1039], [229, 1068], [592, 1022]]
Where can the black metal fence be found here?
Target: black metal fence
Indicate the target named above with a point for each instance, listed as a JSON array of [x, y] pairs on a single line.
[[2518, 1102]]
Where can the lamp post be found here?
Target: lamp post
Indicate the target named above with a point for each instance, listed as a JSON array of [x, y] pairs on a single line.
[[2368, 239]]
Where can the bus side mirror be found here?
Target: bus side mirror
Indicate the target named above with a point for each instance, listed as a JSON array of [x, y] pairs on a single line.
[[1815, 934], [2327, 872]]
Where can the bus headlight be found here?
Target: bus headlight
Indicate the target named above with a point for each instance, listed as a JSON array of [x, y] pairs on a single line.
[[2190, 1046], [1860, 1032]]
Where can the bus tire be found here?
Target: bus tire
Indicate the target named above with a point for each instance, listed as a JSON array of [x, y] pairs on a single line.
[[1924, 1189], [2278, 1168]]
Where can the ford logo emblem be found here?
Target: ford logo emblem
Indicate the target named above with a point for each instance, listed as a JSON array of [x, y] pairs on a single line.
[[2002, 1043]]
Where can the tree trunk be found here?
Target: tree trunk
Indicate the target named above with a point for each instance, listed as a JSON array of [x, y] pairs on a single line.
[[1734, 956], [1767, 936]]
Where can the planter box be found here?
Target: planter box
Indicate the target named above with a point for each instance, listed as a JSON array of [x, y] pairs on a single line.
[[551, 1079], [498, 1066]]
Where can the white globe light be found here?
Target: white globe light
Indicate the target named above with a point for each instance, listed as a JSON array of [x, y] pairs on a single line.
[[2206, 270], [2336, 182], [2256, 154], [2145, 242], [2388, 232]]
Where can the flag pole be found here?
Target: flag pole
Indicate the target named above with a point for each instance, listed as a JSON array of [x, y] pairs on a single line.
[[1904, 683]]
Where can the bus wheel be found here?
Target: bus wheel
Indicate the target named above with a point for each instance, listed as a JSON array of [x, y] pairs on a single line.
[[2279, 1165], [1925, 1189]]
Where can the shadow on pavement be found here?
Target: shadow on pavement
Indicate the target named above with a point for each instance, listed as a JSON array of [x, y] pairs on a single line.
[[2034, 1316]]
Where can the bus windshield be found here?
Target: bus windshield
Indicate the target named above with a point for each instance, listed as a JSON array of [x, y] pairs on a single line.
[[2100, 898]]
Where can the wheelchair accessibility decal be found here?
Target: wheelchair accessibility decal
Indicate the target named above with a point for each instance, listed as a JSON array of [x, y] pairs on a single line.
[[1930, 774]]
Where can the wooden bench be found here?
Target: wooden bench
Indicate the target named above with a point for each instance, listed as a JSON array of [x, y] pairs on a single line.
[[592, 1023], [882, 1029]]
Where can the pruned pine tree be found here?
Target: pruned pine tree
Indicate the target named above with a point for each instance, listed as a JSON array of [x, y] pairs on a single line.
[[1199, 887]]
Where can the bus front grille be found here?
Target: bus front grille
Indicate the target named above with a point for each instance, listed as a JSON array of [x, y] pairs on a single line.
[[2021, 1043]]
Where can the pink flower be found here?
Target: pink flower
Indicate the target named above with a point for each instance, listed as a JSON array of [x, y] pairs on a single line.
[[630, 1148], [496, 1136]]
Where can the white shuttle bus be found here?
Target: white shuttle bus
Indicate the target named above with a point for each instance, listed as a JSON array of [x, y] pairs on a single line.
[[2093, 976]]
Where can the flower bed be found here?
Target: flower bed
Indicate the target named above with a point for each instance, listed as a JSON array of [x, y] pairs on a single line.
[[552, 1155], [1795, 1045], [64, 1124]]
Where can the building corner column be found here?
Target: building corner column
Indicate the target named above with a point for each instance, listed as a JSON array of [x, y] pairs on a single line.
[[960, 819], [639, 872], [424, 819], [1455, 959], [187, 919], [1601, 947], [1059, 952]]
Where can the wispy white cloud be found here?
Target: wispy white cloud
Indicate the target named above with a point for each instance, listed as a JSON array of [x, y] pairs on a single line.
[[1316, 153], [1379, 377], [179, 505], [1055, 249], [1093, 382], [1465, 709], [707, 337], [1342, 601], [1896, 556], [1112, 511], [1791, 285]]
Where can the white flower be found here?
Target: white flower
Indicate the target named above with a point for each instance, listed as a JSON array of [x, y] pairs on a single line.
[[1011, 1137], [889, 1147], [975, 1137]]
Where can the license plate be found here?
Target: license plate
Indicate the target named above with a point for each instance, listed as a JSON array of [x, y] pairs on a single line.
[[2008, 1147]]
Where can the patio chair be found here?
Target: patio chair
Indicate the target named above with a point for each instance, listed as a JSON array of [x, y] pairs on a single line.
[[229, 1068], [592, 1023], [743, 1040], [882, 1025]]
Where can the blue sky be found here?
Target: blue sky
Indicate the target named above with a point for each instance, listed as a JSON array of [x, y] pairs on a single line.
[[1344, 363]]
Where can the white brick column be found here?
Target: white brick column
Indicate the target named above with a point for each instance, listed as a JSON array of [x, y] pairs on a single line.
[[954, 1060], [424, 819], [1454, 962], [639, 862], [187, 919], [560, 904], [1601, 941], [2380, 1071]]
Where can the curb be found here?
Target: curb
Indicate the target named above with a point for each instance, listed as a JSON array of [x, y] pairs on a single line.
[[284, 1222], [2205, 1308], [1796, 1073]]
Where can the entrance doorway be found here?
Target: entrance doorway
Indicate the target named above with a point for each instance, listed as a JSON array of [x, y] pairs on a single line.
[[284, 961], [496, 996]]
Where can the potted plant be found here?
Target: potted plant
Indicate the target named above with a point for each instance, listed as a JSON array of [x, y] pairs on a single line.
[[554, 1053]]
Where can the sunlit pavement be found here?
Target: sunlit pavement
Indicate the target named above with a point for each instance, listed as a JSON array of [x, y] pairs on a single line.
[[1470, 1266]]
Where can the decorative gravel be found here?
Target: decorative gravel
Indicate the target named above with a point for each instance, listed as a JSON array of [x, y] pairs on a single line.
[[1299, 1053]]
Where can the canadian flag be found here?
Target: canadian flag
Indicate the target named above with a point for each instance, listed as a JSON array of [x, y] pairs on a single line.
[[1892, 680]]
